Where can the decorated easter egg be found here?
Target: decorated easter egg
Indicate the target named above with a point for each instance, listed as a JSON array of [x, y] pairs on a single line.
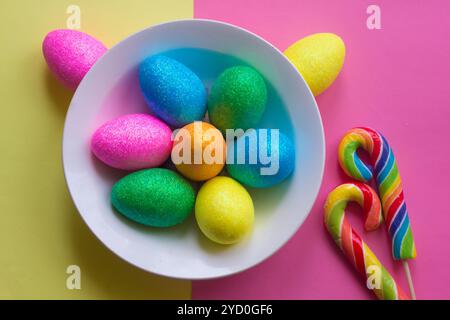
[[238, 99], [70, 54], [261, 158], [172, 91], [319, 59], [132, 142], [224, 210], [199, 151], [154, 197]]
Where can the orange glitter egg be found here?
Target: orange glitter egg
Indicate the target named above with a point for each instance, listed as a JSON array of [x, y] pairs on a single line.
[[199, 151]]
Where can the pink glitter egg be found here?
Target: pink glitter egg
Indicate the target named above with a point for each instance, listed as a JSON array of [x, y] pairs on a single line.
[[132, 142], [70, 54]]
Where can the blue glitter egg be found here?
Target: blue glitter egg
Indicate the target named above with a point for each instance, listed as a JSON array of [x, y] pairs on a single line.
[[173, 92], [257, 160]]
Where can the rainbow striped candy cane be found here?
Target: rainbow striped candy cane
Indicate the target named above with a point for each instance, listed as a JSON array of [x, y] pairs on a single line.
[[384, 167], [351, 243]]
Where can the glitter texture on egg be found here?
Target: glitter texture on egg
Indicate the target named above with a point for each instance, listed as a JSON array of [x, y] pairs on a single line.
[[201, 138], [154, 197], [70, 54], [319, 59], [224, 210], [132, 142], [173, 92], [250, 174], [238, 99]]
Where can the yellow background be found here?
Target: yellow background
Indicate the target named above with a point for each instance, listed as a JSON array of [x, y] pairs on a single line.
[[41, 233]]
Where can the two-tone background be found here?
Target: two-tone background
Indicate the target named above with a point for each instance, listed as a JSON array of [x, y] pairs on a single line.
[[395, 79]]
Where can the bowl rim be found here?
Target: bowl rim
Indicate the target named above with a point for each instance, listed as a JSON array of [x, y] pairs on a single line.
[[240, 29]]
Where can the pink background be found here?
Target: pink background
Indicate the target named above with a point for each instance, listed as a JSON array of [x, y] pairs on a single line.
[[395, 80]]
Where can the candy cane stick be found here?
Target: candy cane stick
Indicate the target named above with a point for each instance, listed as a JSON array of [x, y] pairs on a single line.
[[384, 168], [351, 243]]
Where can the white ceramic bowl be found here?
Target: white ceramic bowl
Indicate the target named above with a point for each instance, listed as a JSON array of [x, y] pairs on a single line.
[[111, 88]]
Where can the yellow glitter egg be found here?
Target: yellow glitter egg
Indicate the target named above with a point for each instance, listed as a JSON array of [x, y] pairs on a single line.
[[319, 59], [199, 151], [224, 210]]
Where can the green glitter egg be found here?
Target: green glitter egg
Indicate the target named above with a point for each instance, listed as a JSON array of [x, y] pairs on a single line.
[[154, 197], [238, 99]]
